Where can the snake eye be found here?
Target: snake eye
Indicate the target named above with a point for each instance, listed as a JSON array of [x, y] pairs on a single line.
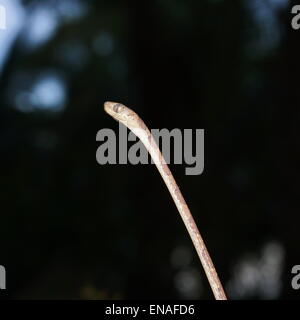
[[117, 107]]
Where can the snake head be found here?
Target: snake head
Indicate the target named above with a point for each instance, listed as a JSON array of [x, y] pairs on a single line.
[[122, 114], [113, 108]]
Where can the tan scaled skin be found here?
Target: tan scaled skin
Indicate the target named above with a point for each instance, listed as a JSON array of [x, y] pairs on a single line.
[[133, 122]]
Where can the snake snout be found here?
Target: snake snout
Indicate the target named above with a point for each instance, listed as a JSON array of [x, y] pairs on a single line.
[[112, 107]]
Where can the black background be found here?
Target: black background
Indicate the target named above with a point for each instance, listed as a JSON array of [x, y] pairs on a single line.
[[73, 229]]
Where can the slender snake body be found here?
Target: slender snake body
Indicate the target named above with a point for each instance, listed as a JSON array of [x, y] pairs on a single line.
[[133, 122]]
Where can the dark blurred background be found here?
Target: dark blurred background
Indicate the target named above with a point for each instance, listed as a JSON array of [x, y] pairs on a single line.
[[74, 229]]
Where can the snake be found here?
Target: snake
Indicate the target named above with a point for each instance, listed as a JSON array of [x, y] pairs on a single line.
[[133, 122]]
